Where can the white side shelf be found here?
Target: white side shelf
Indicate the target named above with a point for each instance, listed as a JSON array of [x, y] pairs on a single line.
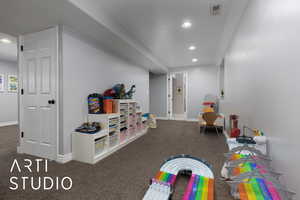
[[84, 148], [119, 129], [83, 145]]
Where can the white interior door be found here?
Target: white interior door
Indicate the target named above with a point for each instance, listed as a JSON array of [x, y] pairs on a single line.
[[177, 95], [185, 79], [38, 98], [170, 96]]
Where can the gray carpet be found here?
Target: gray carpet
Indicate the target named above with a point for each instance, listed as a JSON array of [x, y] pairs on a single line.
[[125, 174]]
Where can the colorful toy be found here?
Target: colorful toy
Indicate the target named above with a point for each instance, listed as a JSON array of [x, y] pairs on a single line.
[[118, 92], [129, 94], [255, 132], [235, 132], [258, 189], [89, 128], [251, 177], [95, 103], [256, 185], [166, 177], [199, 187], [110, 93], [201, 183], [243, 159]]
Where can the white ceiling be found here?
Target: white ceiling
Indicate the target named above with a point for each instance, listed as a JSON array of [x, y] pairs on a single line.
[[29, 16], [8, 52], [156, 25], [147, 33]]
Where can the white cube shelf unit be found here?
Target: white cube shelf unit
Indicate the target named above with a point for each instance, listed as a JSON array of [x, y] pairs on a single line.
[[118, 130]]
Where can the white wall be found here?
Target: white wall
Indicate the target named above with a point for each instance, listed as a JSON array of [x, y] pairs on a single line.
[[158, 94], [262, 79], [8, 101], [202, 80], [88, 69]]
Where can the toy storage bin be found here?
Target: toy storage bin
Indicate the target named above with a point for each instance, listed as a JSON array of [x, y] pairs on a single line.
[[113, 139], [131, 131], [139, 127], [144, 125], [100, 144], [114, 120], [123, 135], [132, 119], [108, 105], [123, 118]]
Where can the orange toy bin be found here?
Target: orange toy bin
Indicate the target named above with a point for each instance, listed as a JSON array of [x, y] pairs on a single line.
[[108, 105]]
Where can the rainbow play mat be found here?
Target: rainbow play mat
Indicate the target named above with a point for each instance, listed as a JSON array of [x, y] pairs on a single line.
[[258, 189], [200, 186]]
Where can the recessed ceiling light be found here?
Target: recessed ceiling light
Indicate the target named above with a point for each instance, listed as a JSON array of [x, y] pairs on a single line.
[[186, 24], [195, 60], [5, 40], [192, 48]]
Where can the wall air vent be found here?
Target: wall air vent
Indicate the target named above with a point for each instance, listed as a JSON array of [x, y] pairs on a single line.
[[215, 9]]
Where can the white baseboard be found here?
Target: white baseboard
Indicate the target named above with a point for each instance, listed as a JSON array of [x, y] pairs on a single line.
[[19, 150], [10, 123], [162, 118], [188, 120], [60, 158], [192, 120], [64, 158]]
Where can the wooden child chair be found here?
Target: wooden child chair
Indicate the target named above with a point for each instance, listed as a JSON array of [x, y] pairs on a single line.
[[210, 118]]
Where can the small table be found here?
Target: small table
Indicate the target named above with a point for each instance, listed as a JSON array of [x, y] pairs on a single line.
[[232, 143]]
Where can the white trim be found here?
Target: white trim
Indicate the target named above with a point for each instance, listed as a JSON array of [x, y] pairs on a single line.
[[178, 119], [10, 123], [20, 100], [58, 68], [192, 120], [19, 150], [162, 118], [64, 158], [185, 78], [167, 103]]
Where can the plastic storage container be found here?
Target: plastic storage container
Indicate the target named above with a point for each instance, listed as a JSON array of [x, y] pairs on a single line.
[[100, 144]]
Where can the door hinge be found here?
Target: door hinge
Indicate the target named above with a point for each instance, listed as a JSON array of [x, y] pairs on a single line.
[[22, 134], [22, 47], [22, 91]]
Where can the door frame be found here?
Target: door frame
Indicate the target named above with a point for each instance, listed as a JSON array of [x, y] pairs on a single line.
[[58, 87], [170, 75]]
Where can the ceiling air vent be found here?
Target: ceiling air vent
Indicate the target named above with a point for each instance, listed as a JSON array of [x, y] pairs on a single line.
[[215, 9]]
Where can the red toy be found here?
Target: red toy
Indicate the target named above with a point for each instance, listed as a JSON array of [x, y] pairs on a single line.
[[109, 93], [235, 132]]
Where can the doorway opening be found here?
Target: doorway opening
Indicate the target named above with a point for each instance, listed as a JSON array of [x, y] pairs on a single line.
[[177, 96], [8, 94]]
